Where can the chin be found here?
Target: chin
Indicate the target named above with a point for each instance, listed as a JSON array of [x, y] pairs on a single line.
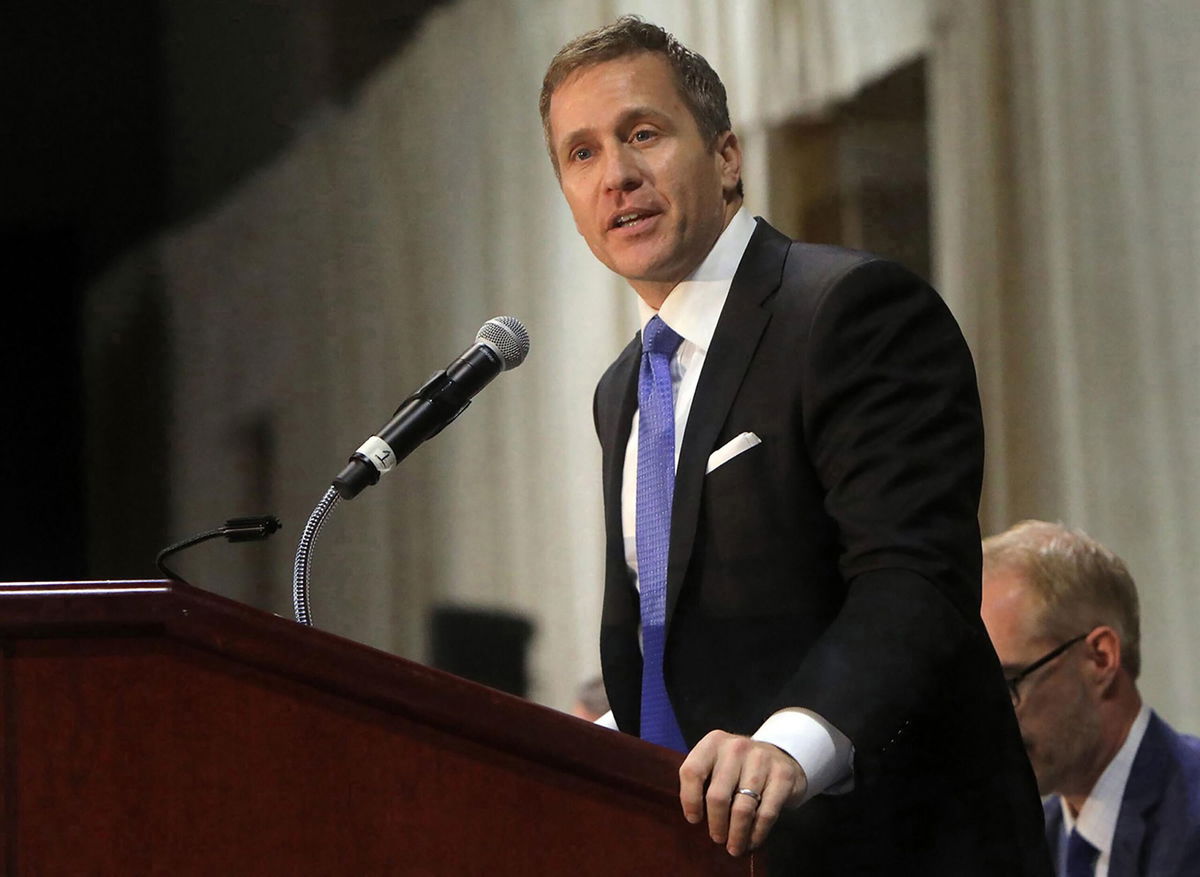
[[641, 273], [652, 264], [642, 264]]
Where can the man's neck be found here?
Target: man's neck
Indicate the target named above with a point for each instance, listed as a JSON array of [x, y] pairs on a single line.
[[1114, 729], [654, 293]]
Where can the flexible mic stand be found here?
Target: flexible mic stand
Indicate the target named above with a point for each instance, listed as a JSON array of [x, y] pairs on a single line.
[[302, 567]]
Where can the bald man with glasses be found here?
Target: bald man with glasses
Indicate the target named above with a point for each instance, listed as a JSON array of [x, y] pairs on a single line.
[[1123, 787]]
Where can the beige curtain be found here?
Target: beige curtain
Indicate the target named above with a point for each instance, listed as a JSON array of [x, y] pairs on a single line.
[[1068, 223]]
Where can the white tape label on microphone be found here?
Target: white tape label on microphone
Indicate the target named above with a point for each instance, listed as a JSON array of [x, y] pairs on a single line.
[[379, 452]]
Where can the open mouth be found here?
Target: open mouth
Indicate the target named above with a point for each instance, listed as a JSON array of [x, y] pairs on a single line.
[[631, 219]]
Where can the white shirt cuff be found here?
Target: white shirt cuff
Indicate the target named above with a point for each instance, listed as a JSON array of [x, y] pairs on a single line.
[[824, 752], [607, 721]]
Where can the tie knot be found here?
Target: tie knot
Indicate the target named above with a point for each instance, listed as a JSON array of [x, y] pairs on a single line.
[[658, 337]]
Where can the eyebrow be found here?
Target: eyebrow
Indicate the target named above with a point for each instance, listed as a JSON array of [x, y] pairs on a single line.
[[625, 118]]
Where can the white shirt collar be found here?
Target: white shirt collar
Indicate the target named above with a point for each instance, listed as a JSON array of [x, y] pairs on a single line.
[[1097, 820], [693, 307]]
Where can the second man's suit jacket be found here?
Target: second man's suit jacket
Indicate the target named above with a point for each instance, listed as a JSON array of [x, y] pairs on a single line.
[[836, 565], [1158, 826]]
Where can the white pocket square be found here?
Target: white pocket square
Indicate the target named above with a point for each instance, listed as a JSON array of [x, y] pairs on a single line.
[[731, 449]]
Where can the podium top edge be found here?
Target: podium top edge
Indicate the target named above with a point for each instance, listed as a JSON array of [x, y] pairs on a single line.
[[104, 586], [172, 610]]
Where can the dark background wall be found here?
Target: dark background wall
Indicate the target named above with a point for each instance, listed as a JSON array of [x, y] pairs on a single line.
[[119, 120]]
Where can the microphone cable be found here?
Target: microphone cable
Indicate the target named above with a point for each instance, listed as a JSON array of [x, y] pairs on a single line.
[[248, 529]]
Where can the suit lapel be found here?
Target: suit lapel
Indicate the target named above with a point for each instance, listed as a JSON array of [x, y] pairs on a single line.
[[737, 335], [619, 401], [1147, 779]]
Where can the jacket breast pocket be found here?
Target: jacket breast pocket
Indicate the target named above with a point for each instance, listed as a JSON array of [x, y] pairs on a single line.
[[741, 539]]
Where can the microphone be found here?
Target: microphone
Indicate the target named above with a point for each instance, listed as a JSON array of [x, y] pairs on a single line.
[[501, 344]]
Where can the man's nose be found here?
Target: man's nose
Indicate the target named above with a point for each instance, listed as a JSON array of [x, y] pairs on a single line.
[[622, 171]]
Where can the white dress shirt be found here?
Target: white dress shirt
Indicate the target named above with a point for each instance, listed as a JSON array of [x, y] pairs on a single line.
[[692, 310], [1097, 819]]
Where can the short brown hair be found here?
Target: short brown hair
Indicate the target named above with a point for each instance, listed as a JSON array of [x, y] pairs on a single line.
[[698, 84], [1079, 582]]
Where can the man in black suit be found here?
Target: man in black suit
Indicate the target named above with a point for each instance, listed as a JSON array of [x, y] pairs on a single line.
[[795, 599]]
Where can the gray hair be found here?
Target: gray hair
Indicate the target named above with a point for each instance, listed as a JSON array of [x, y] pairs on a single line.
[[1080, 583]]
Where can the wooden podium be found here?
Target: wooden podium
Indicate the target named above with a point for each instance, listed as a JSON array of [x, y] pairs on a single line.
[[153, 728]]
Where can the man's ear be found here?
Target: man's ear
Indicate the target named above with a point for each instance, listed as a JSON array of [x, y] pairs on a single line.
[[729, 158], [1103, 656]]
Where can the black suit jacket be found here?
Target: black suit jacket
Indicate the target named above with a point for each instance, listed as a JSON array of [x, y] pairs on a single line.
[[1158, 826], [835, 566]]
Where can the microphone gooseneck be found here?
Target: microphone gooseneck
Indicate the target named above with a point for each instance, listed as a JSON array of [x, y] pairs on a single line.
[[502, 343]]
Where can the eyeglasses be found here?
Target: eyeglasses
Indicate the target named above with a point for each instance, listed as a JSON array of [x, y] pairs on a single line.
[[1014, 681]]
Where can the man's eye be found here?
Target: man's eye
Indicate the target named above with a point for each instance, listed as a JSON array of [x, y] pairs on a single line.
[[643, 134], [581, 154]]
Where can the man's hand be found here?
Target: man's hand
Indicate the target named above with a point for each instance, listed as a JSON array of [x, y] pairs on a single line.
[[729, 763]]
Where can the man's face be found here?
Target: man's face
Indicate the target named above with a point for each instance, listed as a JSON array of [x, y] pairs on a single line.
[[647, 193], [1059, 722]]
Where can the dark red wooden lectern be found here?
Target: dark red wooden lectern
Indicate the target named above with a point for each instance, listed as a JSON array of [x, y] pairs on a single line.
[[154, 728]]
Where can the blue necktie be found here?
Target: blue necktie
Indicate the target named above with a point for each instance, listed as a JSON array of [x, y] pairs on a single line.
[[1081, 856], [655, 487]]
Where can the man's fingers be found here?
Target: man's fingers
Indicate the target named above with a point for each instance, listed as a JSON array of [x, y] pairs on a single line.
[[786, 786], [727, 764], [731, 753], [743, 810], [779, 788], [694, 773]]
